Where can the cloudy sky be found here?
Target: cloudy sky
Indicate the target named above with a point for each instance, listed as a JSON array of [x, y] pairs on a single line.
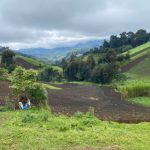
[[49, 23]]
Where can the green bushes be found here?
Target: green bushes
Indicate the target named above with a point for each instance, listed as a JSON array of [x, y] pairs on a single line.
[[24, 83], [38, 94], [135, 88], [3, 74]]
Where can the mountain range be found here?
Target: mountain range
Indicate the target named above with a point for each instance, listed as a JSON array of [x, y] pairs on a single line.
[[57, 53]]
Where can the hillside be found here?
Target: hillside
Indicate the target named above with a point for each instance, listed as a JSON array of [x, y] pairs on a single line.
[[137, 55], [58, 53], [140, 70]]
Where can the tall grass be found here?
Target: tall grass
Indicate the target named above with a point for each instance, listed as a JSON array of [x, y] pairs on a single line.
[[135, 88]]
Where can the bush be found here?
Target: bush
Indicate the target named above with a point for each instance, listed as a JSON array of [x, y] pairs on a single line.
[[24, 82], [38, 94], [3, 74]]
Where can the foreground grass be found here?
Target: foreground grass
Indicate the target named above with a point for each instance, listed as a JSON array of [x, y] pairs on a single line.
[[39, 129], [145, 101]]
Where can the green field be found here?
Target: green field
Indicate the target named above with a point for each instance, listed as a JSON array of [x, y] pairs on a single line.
[[138, 49], [37, 63], [145, 101], [140, 71], [30, 60], [40, 129]]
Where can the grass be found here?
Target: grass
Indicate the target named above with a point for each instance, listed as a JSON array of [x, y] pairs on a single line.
[[140, 71], [51, 87], [39, 129], [147, 52], [138, 49], [37, 63], [30, 60], [134, 88], [145, 101]]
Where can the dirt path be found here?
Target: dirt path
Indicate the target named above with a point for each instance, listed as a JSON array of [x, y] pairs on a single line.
[[107, 103]]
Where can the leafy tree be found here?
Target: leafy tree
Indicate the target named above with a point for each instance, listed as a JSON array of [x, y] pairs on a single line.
[[111, 56], [106, 44], [91, 62], [77, 70], [24, 82], [7, 59], [49, 74]]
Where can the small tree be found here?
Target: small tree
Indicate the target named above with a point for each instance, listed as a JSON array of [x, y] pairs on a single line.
[[7, 59], [24, 83]]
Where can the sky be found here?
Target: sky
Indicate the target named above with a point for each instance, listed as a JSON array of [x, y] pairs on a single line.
[[53, 23]]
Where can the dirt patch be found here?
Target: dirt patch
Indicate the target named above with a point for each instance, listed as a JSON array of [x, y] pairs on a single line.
[[25, 64], [132, 64], [108, 105]]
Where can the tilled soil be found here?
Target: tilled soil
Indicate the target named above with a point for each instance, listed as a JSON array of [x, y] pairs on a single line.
[[108, 105]]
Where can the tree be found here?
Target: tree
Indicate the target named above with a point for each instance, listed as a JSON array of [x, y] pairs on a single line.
[[77, 70], [111, 56], [106, 44], [49, 74], [7, 59], [24, 83], [91, 62]]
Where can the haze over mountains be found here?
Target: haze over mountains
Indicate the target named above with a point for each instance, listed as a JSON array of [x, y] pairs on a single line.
[[57, 53]]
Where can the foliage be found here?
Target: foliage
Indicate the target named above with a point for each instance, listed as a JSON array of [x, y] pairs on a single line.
[[77, 70], [104, 73], [24, 83], [49, 74], [38, 94], [3, 74], [7, 60]]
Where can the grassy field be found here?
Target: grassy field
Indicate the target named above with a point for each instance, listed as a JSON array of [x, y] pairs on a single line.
[[145, 101], [138, 49], [37, 63], [39, 129], [140, 71], [30, 60]]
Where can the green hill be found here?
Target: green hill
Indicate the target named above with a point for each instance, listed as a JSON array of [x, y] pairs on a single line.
[[141, 70]]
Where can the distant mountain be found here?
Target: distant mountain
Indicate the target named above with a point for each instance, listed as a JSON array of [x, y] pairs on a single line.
[[58, 53]]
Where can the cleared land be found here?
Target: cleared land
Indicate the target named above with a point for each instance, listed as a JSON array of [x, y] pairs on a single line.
[[108, 104]]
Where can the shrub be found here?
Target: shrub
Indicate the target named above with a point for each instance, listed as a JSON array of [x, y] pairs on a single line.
[[39, 95], [3, 74], [24, 83]]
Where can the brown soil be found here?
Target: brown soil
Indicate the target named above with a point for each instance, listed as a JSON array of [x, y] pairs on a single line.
[[24, 64], [108, 105], [132, 64]]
